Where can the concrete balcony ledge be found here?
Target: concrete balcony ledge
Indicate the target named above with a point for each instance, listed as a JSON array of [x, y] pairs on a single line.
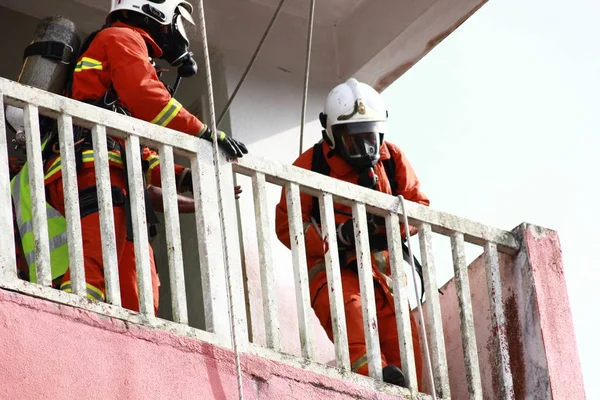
[[54, 351]]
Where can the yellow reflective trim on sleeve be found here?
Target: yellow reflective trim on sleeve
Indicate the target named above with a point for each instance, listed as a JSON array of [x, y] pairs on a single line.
[[115, 157], [92, 292], [221, 136], [53, 169], [153, 161], [168, 113], [88, 63], [358, 364]]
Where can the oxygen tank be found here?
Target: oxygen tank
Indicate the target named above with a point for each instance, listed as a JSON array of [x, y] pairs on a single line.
[[47, 63]]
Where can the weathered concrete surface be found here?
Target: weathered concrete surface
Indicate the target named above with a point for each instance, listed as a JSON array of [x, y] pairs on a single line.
[[55, 352], [554, 312], [541, 339]]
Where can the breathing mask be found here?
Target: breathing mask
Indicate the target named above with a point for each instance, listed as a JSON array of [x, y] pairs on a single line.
[[358, 143], [174, 41]]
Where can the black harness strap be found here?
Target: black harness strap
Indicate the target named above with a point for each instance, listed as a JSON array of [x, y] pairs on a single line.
[[390, 170], [88, 199], [319, 165]]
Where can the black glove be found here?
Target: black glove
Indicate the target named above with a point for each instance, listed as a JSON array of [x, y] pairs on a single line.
[[233, 148], [375, 226]]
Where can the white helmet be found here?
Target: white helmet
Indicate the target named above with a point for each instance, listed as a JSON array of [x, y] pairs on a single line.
[[175, 14], [355, 120], [162, 11]]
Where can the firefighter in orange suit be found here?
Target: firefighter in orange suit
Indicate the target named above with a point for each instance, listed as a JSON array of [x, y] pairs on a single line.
[[353, 150], [116, 71]]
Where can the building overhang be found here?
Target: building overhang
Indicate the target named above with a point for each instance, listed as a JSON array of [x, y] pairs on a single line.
[[374, 40]]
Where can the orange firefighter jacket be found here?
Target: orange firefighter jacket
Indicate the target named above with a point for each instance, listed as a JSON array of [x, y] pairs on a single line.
[[120, 56], [408, 186]]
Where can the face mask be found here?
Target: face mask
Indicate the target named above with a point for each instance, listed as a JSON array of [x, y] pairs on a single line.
[[174, 43], [359, 143]]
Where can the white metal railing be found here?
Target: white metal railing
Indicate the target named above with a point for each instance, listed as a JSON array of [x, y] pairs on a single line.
[[295, 180]]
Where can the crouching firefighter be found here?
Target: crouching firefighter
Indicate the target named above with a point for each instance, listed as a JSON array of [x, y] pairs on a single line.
[[116, 71], [353, 150]]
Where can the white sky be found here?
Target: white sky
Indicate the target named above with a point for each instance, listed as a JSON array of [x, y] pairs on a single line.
[[500, 122]]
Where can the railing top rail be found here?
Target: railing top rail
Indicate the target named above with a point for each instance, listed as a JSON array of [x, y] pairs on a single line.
[[87, 115], [377, 202]]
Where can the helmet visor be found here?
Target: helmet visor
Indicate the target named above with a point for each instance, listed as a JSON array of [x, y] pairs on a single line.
[[184, 24], [359, 141]]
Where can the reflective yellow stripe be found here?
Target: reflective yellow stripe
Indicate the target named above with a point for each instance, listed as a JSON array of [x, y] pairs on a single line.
[[361, 362], [87, 156], [54, 168], [168, 113], [115, 157], [153, 161], [88, 63], [93, 293], [315, 270]]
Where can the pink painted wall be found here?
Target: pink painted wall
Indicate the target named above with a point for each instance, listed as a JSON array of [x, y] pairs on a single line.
[[543, 352], [52, 351], [555, 320]]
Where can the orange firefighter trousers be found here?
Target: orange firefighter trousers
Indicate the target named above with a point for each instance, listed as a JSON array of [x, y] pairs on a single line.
[[92, 243], [386, 320]]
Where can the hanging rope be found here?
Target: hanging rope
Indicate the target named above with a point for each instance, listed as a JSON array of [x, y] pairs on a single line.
[[217, 162], [251, 64], [421, 319], [306, 72]]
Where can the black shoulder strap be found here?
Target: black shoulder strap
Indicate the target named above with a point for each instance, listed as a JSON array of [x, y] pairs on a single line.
[[390, 170], [319, 165]]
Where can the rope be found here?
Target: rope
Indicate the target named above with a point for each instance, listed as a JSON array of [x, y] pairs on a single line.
[[306, 72], [421, 319], [216, 155], [251, 64]]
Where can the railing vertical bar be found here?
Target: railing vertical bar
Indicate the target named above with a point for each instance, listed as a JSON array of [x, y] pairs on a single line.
[[434, 314], [334, 281], [173, 235], [292, 192], [216, 309], [265, 258], [407, 355], [38, 197], [107, 221], [71, 196], [498, 320], [138, 219], [367, 292], [467, 326], [8, 270]]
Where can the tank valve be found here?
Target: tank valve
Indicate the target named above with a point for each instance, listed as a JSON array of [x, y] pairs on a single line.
[[19, 140]]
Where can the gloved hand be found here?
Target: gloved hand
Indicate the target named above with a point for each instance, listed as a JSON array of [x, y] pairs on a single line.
[[233, 148], [375, 226]]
